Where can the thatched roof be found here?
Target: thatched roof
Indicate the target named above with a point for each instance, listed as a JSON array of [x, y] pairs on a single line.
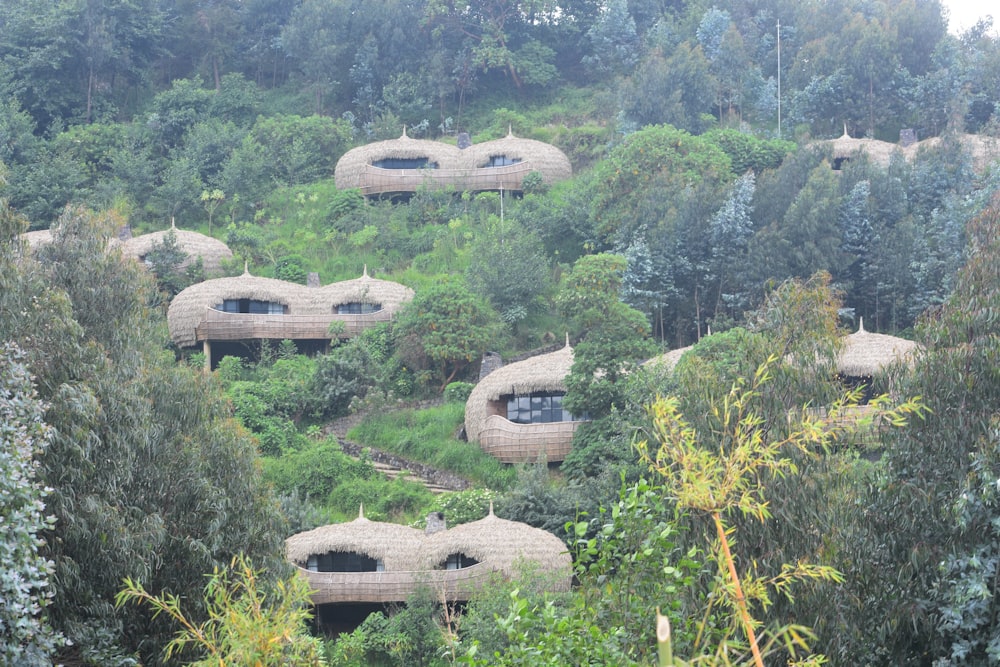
[[846, 146], [368, 290], [501, 544], [983, 150], [866, 354], [668, 360], [496, 543], [544, 158], [37, 238], [546, 372], [393, 544], [211, 251], [351, 165], [188, 308]]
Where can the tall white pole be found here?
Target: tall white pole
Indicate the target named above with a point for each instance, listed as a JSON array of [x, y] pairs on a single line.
[[779, 78]]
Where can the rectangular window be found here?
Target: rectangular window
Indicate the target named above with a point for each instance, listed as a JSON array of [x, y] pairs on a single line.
[[537, 408]]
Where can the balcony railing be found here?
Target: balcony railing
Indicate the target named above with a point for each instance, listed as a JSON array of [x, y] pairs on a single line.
[[341, 587], [219, 325], [375, 180]]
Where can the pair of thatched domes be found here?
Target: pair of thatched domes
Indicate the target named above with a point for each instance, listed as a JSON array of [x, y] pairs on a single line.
[[252, 307], [212, 252], [389, 562], [404, 165]]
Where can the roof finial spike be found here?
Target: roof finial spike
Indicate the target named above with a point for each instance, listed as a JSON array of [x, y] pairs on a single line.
[[510, 129], [364, 271], [173, 225], [491, 508], [404, 133], [361, 511], [709, 332], [861, 324], [567, 339], [246, 267], [845, 129]]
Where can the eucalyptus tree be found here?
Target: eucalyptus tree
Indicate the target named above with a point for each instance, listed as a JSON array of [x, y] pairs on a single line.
[[151, 477]]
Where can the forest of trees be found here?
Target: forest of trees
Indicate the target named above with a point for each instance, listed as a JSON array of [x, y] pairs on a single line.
[[695, 206]]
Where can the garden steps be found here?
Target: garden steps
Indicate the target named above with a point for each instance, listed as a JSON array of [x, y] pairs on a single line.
[[392, 465]]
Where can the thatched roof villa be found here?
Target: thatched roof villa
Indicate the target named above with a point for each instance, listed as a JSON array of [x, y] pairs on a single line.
[[366, 561], [865, 354], [251, 308], [403, 165], [211, 251], [515, 413], [983, 150]]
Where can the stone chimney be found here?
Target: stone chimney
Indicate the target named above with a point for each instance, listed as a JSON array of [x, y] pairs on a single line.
[[435, 523], [312, 279]]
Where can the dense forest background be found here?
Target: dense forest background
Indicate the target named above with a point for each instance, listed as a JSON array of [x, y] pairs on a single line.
[[703, 199]]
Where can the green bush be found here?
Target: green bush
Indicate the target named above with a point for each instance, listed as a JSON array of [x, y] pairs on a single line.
[[458, 392], [314, 470]]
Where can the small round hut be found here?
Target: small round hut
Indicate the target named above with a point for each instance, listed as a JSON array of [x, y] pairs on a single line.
[[37, 238], [865, 355], [515, 413], [363, 301], [667, 361], [212, 252]]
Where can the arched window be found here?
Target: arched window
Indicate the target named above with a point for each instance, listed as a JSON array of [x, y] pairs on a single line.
[[502, 161], [405, 163], [457, 561], [252, 306], [358, 308], [343, 561]]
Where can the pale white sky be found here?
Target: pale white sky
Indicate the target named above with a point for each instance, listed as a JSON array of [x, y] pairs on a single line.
[[965, 13]]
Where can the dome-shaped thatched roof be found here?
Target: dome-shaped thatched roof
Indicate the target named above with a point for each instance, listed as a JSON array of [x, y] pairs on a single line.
[[395, 545], [846, 147], [497, 543], [392, 296], [188, 308], [544, 158], [668, 360], [545, 372], [351, 165], [501, 544], [37, 238], [211, 251], [455, 167], [866, 354]]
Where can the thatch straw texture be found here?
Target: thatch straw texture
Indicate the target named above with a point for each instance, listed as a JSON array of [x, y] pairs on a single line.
[[983, 150], [211, 251], [309, 310], [544, 158], [546, 372], [461, 169], [527, 443], [38, 238], [352, 164], [846, 147], [502, 545], [866, 354], [391, 543], [667, 361], [412, 558]]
